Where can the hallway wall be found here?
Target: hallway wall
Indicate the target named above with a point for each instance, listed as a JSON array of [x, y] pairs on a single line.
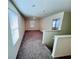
[[13, 48], [45, 25], [49, 34], [32, 24]]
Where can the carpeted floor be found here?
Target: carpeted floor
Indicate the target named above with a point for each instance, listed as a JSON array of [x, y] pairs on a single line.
[[32, 47]]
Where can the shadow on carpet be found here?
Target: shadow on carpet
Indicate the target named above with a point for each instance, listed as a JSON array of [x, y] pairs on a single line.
[[33, 49]]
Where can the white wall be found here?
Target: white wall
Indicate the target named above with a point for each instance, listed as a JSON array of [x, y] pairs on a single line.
[[62, 46], [32, 24], [13, 49], [46, 23], [46, 27]]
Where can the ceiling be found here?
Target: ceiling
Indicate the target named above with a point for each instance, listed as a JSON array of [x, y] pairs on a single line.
[[41, 8]]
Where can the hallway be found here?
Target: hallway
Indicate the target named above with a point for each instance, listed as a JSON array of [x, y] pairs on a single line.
[[32, 48]]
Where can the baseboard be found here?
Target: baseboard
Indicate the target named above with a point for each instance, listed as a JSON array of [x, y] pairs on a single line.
[[63, 57]]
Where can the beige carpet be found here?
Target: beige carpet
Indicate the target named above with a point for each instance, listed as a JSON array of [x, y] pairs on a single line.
[[32, 47]]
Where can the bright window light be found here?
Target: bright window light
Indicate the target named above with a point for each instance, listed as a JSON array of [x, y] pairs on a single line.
[[13, 19], [56, 24]]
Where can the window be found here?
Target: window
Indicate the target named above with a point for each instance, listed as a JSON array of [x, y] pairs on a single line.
[[13, 19], [56, 24]]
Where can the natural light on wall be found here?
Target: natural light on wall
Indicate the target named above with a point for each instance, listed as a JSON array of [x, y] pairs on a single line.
[[13, 19], [32, 23]]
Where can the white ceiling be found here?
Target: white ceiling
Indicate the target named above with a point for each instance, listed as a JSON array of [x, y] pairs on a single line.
[[42, 7]]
